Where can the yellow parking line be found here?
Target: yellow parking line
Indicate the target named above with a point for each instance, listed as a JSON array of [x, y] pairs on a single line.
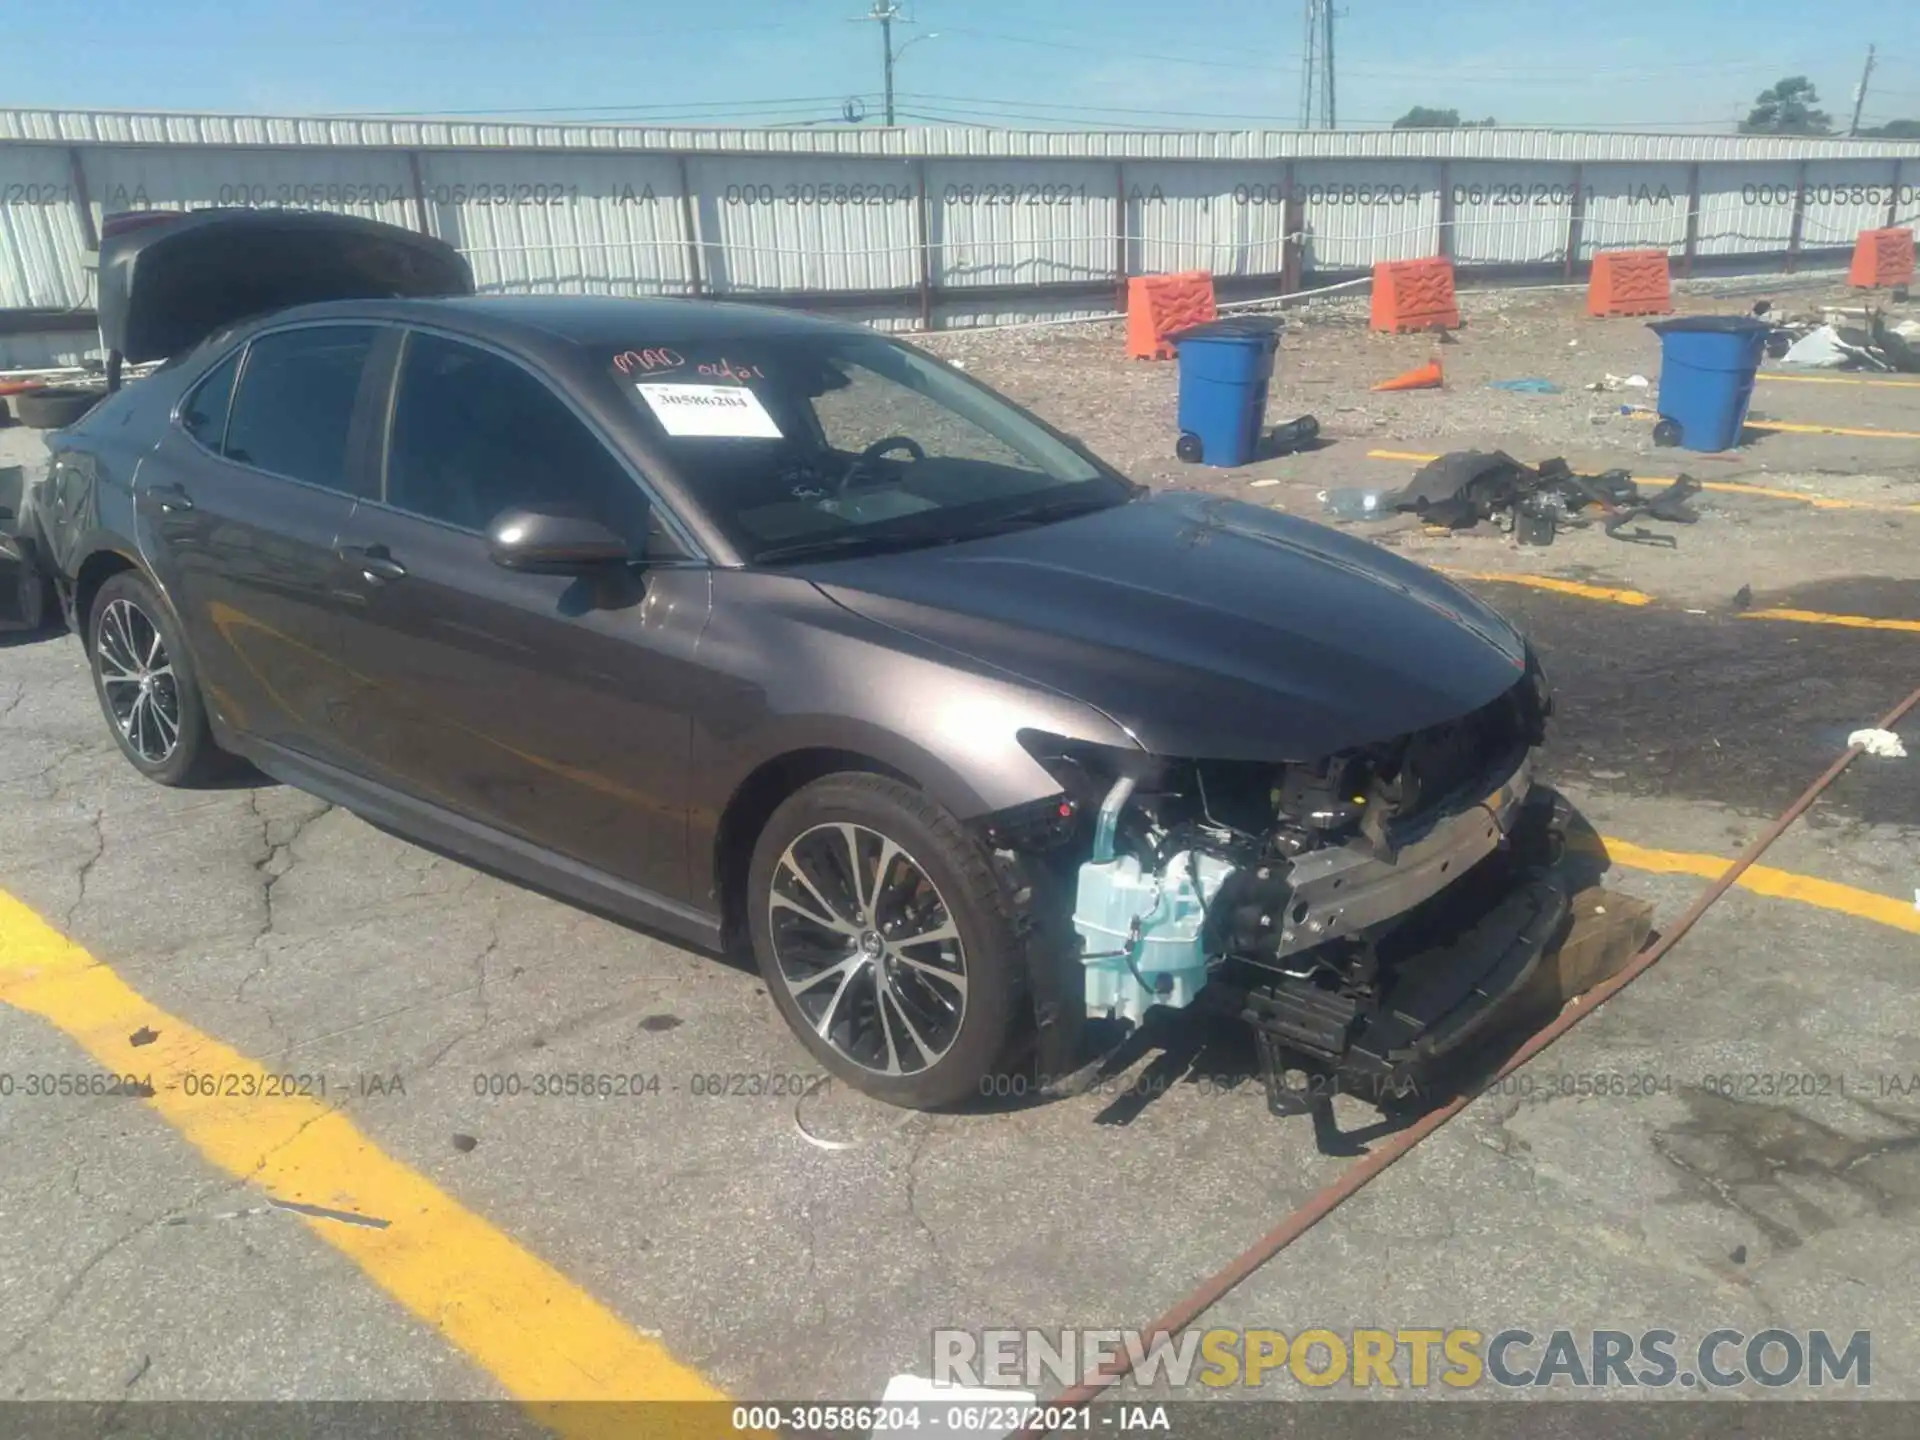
[[542, 1337], [1820, 617], [1764, 880], [1639, 597], [1548, 582], [1838, 380], [1860, 430], [1730, 487]]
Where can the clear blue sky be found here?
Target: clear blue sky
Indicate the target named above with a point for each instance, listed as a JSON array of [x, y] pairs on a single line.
[[1664, 64]]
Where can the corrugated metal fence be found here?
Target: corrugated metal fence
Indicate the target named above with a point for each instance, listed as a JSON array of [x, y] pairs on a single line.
[[945, 226]]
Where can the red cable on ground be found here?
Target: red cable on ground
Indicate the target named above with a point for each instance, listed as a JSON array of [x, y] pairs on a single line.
[[1359, 1175]]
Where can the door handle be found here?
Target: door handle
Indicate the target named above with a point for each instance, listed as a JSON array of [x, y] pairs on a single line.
[[170, 498], [373, 562]]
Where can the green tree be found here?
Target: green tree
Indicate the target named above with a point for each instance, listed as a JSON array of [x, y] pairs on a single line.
[[1896, 130], [1420, 117], [1786, 108]]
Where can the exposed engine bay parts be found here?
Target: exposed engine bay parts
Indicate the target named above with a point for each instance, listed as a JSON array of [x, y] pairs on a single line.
[[1363, 911]]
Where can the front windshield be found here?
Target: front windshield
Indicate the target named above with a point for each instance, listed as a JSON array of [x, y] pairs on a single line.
[[799, 445]]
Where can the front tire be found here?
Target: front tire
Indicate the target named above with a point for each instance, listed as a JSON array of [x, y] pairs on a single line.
[[886, 940], [147, 686]]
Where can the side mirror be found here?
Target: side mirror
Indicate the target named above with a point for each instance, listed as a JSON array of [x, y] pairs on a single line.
[[545, 542]]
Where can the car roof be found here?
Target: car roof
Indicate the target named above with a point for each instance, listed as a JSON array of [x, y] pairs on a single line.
[[591, 321]]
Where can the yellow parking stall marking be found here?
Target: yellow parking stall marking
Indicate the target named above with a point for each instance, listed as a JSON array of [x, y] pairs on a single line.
[[1820, 617], [1639, 597], [1859, 430], [1838, 380], [1730, 487], [1548, 582], [541, 1336], [1779, 884]]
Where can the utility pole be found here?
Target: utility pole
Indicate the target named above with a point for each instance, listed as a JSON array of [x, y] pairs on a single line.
[[886, 12], [1310, 61], [1333, 122], [1860, 94], [1316, 67]]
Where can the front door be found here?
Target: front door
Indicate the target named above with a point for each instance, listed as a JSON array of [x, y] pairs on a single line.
[[241, 503], [548, 706]]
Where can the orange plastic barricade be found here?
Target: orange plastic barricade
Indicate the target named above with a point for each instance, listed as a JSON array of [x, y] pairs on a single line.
[[1882, 259], [1414, 295], [1158, 305], [1629, 282]]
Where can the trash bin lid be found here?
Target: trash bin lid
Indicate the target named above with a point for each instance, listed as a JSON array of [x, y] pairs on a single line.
[[1711, 324], [1252, 328]]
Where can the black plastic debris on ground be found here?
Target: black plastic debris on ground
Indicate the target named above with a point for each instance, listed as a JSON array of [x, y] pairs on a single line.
[[1535, 502]]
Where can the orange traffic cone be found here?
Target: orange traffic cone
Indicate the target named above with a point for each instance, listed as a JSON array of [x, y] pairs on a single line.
[[1427, 377]]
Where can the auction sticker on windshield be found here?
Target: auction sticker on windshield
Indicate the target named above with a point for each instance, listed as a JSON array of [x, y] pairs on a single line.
[[709, 410]]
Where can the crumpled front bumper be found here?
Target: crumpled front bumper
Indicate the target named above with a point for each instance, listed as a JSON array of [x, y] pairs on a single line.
[[1343, 890], [1456, 972]]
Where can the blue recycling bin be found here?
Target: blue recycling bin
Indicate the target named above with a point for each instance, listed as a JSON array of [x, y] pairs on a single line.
[[1707, 366], [1225, 366]]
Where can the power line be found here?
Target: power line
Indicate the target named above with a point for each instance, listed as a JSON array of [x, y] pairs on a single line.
[[692, 109], [969, 111], [1105, 50]]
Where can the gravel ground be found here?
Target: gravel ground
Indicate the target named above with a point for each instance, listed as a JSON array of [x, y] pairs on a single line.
[[1078, 376]]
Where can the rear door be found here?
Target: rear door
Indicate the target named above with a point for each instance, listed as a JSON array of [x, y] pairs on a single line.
[[241, 505], [542, 705]]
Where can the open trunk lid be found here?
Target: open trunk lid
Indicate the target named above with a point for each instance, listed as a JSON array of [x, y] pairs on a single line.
[[169, 280]]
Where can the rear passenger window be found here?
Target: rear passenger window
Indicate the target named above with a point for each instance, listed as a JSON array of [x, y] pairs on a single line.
[[295, 404], [204, 416]]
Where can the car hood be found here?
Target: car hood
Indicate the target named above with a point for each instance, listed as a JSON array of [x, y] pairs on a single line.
[[169, 280], [1209, 628]]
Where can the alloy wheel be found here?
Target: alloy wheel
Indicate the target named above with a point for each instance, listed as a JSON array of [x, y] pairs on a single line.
[[868, 949], [136, 676]]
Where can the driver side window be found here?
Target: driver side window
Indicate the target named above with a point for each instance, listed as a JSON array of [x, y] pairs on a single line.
[[872, 408], [475, 434]]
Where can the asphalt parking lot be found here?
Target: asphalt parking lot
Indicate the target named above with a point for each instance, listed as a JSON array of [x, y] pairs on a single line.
[[1745, 1152]]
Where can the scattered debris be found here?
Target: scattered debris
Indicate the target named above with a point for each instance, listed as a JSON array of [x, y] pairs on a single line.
[[1427, 377], [464, 1143], [1761, 307], [1823, 349], [1846, 338], [1355, 502], [1882, 743], [1525, 387], [324, 1212], [1462, 489], [1300, 434], [143, 1036], [1620, 382]]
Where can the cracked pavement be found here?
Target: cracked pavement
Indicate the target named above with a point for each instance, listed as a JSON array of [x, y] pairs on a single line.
[[805, 1243]]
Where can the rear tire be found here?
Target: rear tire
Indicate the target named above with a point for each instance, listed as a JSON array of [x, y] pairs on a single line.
[[54, 408], [149, 691], [34, 603], [886, 940]]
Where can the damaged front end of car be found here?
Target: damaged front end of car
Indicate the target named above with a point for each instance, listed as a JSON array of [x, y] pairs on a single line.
[[1368, 913]]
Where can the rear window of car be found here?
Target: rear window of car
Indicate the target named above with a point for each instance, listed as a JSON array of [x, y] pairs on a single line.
[[204, 416], [294, 408]]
